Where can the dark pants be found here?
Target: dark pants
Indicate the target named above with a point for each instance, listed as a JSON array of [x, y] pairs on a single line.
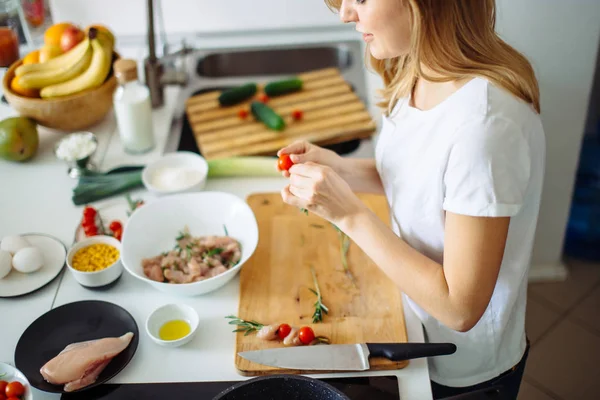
[[505, 386]]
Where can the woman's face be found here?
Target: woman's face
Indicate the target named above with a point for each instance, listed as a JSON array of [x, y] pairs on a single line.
[[385, 25]]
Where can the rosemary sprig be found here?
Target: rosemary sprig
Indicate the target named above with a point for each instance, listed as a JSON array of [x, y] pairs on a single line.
[[225, 229], [320, 308], [215, 251], [245, 326]]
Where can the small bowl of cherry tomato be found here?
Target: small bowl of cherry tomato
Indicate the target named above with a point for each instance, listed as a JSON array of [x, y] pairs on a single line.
[[13, 384]]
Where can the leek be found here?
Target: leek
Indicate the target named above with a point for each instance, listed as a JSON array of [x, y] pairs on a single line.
[[243, 166]]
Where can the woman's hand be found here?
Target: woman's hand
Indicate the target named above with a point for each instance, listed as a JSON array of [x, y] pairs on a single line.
[[319, 189], [303, 151]]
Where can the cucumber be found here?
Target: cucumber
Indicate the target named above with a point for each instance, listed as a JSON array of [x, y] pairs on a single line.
[[283, 87], [267, 116], [238, 94]]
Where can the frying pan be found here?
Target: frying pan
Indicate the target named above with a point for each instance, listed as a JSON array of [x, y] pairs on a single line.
[[277, 387]]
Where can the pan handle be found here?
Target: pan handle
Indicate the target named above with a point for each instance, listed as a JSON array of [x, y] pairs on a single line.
[[407, 351]]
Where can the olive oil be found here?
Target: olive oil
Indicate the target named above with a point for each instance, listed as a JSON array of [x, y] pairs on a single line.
[[174, 330]]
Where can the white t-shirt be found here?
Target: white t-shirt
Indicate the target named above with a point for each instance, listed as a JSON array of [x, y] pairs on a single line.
[[481, 152]]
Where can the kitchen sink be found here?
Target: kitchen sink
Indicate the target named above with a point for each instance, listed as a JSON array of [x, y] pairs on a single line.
[[274, 61], [209, 70]]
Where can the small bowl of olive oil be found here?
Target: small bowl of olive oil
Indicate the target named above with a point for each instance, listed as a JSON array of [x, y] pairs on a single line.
[[172, 325]]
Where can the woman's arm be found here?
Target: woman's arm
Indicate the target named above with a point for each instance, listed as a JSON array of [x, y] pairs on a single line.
[[457, 294], [361, 175]]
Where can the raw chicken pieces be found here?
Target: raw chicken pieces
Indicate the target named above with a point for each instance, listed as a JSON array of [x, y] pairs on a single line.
[[79, 364]]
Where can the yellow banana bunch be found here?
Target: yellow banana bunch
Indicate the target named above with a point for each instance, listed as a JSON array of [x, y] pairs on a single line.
[[92, 77], [64, 60], [64, 72]]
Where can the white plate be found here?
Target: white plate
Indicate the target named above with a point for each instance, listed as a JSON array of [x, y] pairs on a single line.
[[12, 374], [55, 255]]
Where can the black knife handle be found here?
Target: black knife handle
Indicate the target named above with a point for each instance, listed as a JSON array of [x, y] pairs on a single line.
[[407, 351]]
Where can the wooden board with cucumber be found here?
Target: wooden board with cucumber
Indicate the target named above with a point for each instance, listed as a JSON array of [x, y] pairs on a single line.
[[258, 118]]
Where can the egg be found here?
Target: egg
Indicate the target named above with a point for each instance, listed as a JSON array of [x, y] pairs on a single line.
[[5, 263], [14, 243], [28, 260]]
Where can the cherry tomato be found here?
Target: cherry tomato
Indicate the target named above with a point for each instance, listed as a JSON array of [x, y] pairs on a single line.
[[243, 113], [14, 389], [306, 335], [118, 234], [283, 331], [284, 163], [89, 212], [115, 226], [297, 115], [3, 397], [263, 98], [90, 230], [13, 398], [3, 385], [88, 223]]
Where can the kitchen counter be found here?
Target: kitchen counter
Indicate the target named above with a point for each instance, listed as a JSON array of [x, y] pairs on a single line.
[[39, 200]]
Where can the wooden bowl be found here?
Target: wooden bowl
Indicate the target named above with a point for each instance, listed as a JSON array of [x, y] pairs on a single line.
[[69, 113]]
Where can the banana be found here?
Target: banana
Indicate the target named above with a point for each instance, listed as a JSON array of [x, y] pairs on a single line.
[[66, 59], [93, 77], [41, 79]]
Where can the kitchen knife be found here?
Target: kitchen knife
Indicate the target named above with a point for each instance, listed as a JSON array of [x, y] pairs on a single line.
[[344, 357]]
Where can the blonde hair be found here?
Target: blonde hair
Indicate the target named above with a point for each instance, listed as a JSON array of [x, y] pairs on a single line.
[[456, 40]]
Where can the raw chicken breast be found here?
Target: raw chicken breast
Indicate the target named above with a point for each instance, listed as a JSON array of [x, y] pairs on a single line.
[[79, 364]]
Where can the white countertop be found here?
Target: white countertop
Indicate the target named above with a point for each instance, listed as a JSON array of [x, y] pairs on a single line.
[[36, 198]]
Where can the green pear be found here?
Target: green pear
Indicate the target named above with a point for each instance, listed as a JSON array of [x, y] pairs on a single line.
[[19, 140]]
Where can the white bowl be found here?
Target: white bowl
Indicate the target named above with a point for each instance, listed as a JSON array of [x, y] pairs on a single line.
[[153, 228], [180, 159], [97, 278], [9, 373], [167, 313]]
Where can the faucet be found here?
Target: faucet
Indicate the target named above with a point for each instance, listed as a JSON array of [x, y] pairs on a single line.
[[161, 72]]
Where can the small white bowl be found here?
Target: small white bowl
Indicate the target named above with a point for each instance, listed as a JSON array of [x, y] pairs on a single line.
[[9, 373], [181, 159], [98, 278], [168, 313]]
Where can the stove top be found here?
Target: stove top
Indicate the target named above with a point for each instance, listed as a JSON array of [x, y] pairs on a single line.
[[357, 388]]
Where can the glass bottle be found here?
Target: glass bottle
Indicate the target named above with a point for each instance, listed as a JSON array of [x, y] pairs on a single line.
[[133, 109]]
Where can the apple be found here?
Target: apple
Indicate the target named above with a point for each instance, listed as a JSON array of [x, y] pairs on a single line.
[[71, 36]]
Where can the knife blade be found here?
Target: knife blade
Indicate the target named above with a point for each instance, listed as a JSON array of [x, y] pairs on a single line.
[[344, 357]]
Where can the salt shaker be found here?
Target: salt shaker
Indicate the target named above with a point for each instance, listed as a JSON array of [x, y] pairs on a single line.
[[133, 109]]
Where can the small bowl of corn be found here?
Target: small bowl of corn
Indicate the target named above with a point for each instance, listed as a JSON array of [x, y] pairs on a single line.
[[96, 261]]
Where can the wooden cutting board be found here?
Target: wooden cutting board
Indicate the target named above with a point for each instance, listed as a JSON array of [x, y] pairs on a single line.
[[275, 282], [333, 113]]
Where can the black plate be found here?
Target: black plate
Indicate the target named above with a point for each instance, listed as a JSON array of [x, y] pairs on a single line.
[[74, 322]]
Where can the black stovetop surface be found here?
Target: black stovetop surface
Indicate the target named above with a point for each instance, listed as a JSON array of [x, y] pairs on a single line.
[[357, 388]]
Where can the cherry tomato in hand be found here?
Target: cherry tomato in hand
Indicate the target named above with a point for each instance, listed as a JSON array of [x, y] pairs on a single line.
[[14, 389], [89, 213], [283, 331], [306, 335], [284, 163], [115, 226]]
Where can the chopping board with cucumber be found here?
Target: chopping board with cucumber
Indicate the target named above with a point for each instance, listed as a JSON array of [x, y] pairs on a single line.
[[258, 118], [300, 255]]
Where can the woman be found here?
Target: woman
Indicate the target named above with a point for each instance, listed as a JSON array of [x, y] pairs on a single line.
[[460, 158]]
